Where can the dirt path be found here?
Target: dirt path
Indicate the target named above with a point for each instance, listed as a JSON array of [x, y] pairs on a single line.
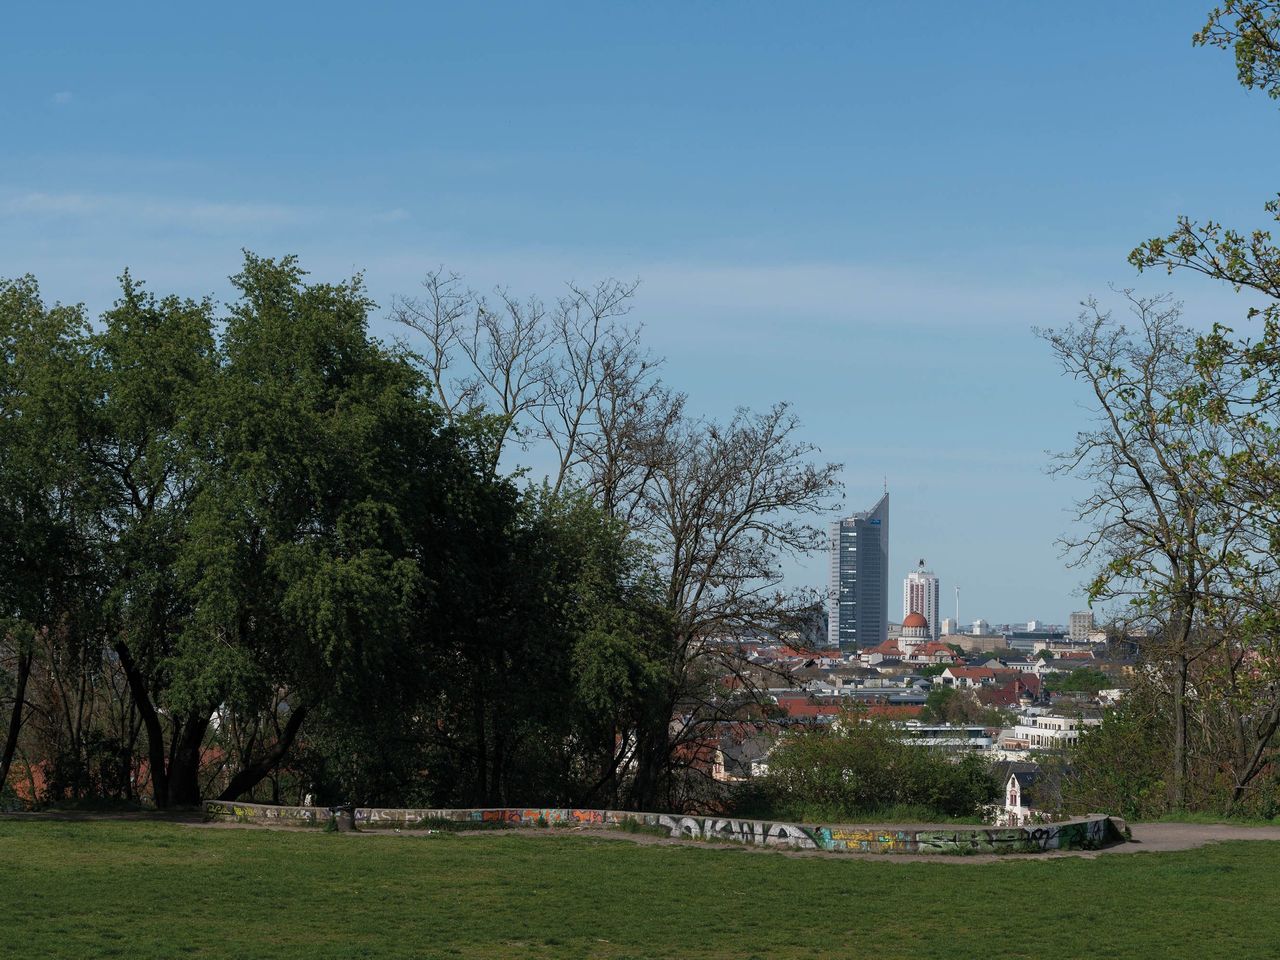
[[1159, 837]]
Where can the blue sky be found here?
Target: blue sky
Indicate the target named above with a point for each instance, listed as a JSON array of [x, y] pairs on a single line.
[[861, 208]]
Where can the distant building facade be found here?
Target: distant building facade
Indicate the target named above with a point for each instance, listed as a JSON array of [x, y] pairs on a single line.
[[975, 643], [859, 587], [920, 595], [1080, 625], [1026, 640]]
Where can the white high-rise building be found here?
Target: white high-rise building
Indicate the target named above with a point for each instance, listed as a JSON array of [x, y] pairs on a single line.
[[920, 595]]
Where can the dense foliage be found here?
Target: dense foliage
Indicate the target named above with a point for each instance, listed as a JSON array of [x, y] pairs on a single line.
[[1082, 680], [256, 552], [953, 705], [858, 767]]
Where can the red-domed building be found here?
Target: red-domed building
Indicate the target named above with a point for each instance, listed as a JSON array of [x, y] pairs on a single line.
[[915, 631]]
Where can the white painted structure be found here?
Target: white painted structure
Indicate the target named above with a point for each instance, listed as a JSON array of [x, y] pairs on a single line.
[[920, 595], [1047, 732]]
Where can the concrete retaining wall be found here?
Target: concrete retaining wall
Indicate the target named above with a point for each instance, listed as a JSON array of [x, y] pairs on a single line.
[[1087, 832], [267, 814]]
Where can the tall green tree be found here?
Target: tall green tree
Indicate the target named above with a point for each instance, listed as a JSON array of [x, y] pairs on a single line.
[[1236, 389], [46, 556], [328, 495], [255, 522], [154, 363]]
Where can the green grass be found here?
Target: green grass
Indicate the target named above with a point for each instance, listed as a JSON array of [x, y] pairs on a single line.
[[153, 890], [1193, 816]]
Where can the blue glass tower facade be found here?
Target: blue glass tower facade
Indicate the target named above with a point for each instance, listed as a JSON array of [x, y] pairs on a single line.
[[859, 588]]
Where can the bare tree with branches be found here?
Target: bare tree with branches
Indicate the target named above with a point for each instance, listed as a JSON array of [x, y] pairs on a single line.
[[728, 505], [718, 507], [1155, 532], [570, 377]]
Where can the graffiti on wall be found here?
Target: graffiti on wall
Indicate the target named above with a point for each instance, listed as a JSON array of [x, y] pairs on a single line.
[[870, 841], [375, 817], [990, 840], [266, 813], [1076, 834], [754, 832]]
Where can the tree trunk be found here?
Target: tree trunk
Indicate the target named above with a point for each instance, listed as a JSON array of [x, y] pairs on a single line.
[[1178, 782], [1255, 760], [26, 653], [653, 759], [481, 787], [256, 772], [151, 721], [184, 762], [497, 757]]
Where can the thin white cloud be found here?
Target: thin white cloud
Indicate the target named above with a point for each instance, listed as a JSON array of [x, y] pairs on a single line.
[[751, 299], [152, 210], [62, 96]]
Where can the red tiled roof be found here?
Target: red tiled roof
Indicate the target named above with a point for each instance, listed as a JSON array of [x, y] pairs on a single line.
[[800, 709], [972, 673], [933, 648], [892, 711], [889, 648]]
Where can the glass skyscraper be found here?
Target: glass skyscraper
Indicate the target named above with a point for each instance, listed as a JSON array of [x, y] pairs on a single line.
[[859, 591]]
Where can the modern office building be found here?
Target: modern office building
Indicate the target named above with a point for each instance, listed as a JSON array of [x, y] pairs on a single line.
[[859, 594], [920, 595]]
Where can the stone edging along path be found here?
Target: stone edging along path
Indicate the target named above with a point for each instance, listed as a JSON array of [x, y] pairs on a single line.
[[1089, 832]]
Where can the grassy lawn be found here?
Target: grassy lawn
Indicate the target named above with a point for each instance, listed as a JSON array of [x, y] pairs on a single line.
[[149, 890], [1190, 817]]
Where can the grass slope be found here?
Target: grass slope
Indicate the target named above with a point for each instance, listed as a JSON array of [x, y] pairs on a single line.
[[151, 890]]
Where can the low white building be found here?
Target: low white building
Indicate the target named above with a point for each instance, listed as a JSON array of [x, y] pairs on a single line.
[[946, 736], [1046, 732]]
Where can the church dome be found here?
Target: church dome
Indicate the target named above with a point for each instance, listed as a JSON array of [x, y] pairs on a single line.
[[914, 620]]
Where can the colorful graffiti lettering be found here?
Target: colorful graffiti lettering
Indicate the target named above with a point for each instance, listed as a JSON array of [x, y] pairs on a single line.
[[755, 832], [1088, 833], [255, 812]]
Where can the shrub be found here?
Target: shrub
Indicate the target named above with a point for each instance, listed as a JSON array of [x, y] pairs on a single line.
[[1119, 766], [862, 767]]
